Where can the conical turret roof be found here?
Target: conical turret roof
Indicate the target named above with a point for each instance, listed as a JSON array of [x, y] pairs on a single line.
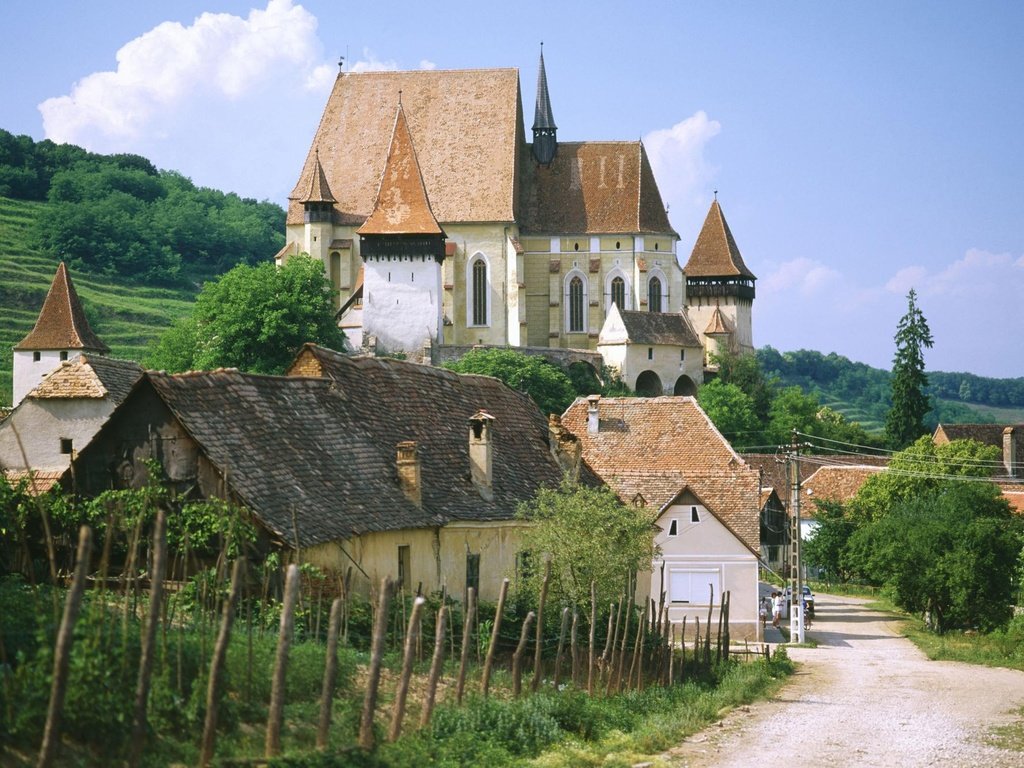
[[716, 253], [543, 119], [62, 323], [319, 191], [402, 206]]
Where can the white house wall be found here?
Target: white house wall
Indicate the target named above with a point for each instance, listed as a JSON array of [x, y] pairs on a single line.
[[28, 373], [402, 302], [41, 424]]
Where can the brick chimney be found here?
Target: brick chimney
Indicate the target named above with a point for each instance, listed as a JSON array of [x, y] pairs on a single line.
[[481, 453], [593, 417], [565, 447], [408, 463], [1010, 451]]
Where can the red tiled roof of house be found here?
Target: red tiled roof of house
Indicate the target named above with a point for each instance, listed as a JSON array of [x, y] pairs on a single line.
[[37, 481], [62, 323], [835, 483]]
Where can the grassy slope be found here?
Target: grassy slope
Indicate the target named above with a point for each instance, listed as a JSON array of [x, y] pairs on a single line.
[[127, 317]]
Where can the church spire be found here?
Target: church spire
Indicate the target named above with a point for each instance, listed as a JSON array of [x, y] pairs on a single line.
[[62, 324], [545, 140]]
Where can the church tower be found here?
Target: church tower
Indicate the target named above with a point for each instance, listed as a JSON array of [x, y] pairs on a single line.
[[545, 138], [318, 213], [403, 248], [61, 333], [719, 288]]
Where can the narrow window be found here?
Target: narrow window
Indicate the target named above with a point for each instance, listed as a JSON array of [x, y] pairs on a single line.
[[36, 356], [650, 353], [654, 295], [479, 292], [63, 354], [694, 515], [673, 527], [682, 354], [619, 292], [66, 445], [473, 572], [576, 305], [404, 566]]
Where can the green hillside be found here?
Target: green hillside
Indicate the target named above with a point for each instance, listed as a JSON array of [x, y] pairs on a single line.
[[128, 317]]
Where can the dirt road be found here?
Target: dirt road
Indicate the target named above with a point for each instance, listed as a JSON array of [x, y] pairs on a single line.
[[866, 697]]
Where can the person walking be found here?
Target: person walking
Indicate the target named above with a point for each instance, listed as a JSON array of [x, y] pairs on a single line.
[[777, 599]]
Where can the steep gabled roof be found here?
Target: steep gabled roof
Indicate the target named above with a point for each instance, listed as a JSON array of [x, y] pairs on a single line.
[[717, 325], [594, 187], [543, 118], [402, 206], [62, 323], [715, 253], [835, 483], [90, 376], [319, 190], [469, 131], [659, 328]]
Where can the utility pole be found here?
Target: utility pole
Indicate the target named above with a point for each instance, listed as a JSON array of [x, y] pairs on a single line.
[[796, 580]]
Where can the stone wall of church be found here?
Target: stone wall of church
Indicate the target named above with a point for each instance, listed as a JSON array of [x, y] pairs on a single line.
[[402, 302]]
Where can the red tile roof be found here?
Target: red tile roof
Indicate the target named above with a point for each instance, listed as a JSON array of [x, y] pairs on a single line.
[[835, 483], [62, 323], [319, 190], [715, 253]]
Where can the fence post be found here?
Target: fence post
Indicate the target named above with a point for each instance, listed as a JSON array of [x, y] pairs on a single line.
[[539, 647], [467, 632], [220, 652], [436, 665], [62, 651], [275, 715], [380, 630], [156, 596], [628, 609], [517, 657], [609, 643], [486, 679], [574, 647], [561, 646], [330, 674], [707, 629], [411, 637], [593, 638], [638, 649]]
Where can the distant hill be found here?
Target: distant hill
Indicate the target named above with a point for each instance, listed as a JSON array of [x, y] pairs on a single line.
[[127, 316], [861, 393]]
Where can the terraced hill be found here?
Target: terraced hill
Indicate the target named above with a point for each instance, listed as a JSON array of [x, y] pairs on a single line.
[[127, 317]]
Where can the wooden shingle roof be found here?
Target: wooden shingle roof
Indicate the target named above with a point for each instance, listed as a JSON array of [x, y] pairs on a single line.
[[62, 323], [715, 253], [659, 328], [468, 126], [593, 187], [402, 206], [665, 443], [90, 376], [319, 190]]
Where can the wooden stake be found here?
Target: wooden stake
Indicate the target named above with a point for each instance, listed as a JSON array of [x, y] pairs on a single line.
[[220, 652], [398, 714], [707, 628], [517, 657], [637, 651], [156, 596], [593, 638], [561, 646], [380, 629], [330, 675], [489, 661], [62, 651], [436, 665], [539, 644], [275, 714], [574, 648], [467, 633]]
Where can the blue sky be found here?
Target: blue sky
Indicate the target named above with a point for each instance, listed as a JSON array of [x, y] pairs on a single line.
[[859, 149]]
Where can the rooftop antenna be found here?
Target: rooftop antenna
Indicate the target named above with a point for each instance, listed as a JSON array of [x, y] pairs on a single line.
[[716, 194]]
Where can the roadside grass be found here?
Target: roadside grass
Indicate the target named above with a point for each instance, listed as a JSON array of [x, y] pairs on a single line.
[[1009, 737], [848, 590]]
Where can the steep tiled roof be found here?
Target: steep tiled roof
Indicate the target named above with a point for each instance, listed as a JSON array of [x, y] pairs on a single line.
[[37, 481], [324, 449], [715, 253], [468, 126], [402, 206], [835, 483], [319, 190], [659, 328], [718, 324], [90, 376], [543, 117], [657, 445], [62, 323], [773, 469], [593, 187]]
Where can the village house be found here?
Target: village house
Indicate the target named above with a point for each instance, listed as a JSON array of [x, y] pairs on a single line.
[[664, 454], [1009, 438], [438, 223], [382, 466]]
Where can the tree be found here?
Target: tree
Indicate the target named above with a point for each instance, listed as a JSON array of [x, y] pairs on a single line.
[[905, 421], [546, 385], [590, 536], [826, 548], [254, 319], [745, 371], [731, 410]]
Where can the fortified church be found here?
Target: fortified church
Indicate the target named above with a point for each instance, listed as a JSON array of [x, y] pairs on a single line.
[[442, 227]]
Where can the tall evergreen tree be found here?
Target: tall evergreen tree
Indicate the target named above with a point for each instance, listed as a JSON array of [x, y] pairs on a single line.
[[905, 420]]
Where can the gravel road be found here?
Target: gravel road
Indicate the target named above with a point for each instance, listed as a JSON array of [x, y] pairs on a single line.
[[866, 697]]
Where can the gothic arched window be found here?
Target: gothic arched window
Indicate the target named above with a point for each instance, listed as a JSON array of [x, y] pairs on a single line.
[[479, 292], [619, 292], [577, 304], [654, 295]]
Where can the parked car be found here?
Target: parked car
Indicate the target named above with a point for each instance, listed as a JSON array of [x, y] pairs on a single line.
[[808, 599]]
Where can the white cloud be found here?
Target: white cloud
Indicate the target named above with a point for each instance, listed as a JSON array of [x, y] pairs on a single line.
[[806, 277], [905, 279], [977, 273], [370, 63], [174, 67], [683, 173], [427, 64]]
